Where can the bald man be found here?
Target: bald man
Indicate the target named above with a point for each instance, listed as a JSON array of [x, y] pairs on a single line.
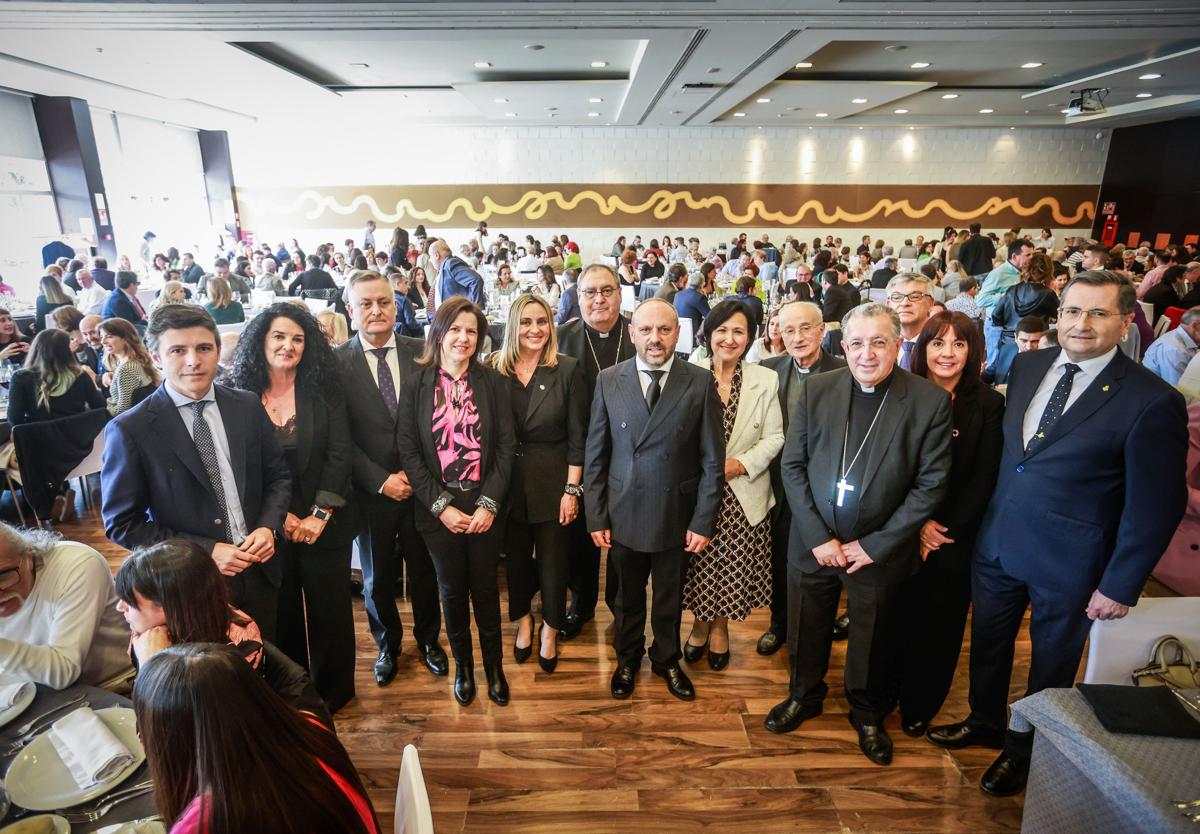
[[653, 479]]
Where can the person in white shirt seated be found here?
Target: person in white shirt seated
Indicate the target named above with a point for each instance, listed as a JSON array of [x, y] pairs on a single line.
[[527, 261], [91, 296], [59, 623]]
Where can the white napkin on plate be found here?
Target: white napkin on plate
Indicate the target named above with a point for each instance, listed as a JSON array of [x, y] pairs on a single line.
[[91, 752], [9, 694]]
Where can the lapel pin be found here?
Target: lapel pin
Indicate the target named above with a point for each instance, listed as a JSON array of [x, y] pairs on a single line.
[[543, 388], [1105, 388]]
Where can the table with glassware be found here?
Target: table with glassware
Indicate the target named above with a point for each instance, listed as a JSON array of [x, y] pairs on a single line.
[[72, 761]]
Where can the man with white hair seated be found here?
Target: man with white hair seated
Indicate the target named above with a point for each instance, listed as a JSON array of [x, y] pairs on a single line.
[[270, 278], [59, 622]]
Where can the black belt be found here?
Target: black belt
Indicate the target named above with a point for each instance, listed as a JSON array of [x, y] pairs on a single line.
[[462, 486]]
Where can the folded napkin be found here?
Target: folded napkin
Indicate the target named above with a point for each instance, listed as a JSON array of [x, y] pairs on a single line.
[[1140, 710], [91, 752], [151, 825], [9, 694]]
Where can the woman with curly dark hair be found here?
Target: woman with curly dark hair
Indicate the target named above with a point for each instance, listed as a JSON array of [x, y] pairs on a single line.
[[284, 358]]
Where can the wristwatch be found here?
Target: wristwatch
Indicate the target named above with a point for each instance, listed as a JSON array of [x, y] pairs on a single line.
[[574, 489], [320, 513]]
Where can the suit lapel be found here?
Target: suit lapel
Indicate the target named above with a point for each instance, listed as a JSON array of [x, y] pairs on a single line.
[[428, 378], [540, 384], [1103, 388], [631, 391], [677, 382], [1017, 400], [168, 425], [236, 429], [748, 396], [305, 415]]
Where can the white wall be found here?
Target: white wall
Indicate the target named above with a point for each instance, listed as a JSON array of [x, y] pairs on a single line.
[[28, 217]]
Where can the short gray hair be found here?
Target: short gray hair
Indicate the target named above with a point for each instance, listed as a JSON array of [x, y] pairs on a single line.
[[40, 543], [696, 280], [873, 308], [909, 278], [1191, 316]]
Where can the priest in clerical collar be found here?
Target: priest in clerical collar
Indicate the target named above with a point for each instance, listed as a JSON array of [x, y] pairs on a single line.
[[864, 465]]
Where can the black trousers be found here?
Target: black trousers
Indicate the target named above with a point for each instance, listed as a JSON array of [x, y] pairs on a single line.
[[812, 608], [583, 571], [316, 620], [466, 574], [251, 592], [1058, 628], [927, 638], [781, 527], [548, 571], [387, 524], [634, 568]]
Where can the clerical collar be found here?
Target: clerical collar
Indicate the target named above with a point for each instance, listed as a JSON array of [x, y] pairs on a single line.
[[810, 369], [878, 390], [600, 335]]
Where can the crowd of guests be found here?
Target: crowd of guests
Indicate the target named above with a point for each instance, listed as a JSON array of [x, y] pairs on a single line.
[[805, 446]]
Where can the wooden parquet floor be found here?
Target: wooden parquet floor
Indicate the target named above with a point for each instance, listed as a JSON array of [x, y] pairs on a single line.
[[564, 757]]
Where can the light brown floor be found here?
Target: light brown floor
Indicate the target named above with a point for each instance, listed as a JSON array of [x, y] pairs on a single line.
[[565, 757]]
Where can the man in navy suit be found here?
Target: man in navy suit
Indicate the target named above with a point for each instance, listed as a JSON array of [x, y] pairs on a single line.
[[104, 276], [1091, 490], [123, 301], [199, 461]]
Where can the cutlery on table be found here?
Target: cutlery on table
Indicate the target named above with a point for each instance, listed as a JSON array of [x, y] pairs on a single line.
[[28, 725], [17, 744], [93, 814]]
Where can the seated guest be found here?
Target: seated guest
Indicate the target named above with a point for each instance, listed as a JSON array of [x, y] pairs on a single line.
[[104, 276], [885, 273], [553, 260], [69, 320], [171, 594], [270, 279], [652, 268], [52, 383], [58, 619], [334, 327], [221, 306], [547, 287], [627, 270], [744, 292], [127, 364], [568, 301], [1030, 297], [506, 286], [1168, 292], [91, 296], [1171, 352], [13, 345], [770, 344], [189, 271], [964, 301], [123, 301], [406, 314], [89, 332], [228, 754], [572, 259], [675, 280], [51, 296], [313, 278], [836, 298], [692, 303], [173, 292], [6, 288]]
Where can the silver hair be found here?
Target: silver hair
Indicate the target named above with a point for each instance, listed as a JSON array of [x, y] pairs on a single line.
[[1191, 316], [696, 280], [874, 308], [601, 268], [909, 278], [39, 543]]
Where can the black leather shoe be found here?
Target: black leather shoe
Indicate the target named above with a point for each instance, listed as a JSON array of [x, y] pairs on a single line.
[[1006, 776], [678, 683], [623, 682], [841, 627], [874, 741], [574, 625], [787, 716], [464, 683], [718, 660], [385, 667], [497, 689], [435, 659], [962, 734], [914, 729], [769, 643], [692, 653]]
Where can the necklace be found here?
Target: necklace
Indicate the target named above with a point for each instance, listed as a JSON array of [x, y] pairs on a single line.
[[595, 358], [843, 486]]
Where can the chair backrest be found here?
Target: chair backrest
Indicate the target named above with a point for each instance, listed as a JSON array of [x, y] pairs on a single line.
[[146, 298], [1147, 310], [261, 298], [1131, 345], [877, 294], [413, 815], [629, 299], [1164, 324], [1117, 647], [91, 464], [687, 338], [1174, 315], [324, 294], [316, 305]]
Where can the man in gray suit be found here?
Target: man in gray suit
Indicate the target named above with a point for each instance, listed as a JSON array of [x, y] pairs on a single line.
[[653, 478]]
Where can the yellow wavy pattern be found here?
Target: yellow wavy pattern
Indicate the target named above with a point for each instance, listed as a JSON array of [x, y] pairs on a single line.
[[662, 204]]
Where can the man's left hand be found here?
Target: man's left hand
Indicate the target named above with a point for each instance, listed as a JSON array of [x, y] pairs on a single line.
[[1101, 607], [259, 543], [857, 557]]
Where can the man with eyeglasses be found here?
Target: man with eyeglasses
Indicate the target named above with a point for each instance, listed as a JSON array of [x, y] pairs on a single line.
[[59, 622], [1091, 490], [598, 339], [802, 331], [910, 294]]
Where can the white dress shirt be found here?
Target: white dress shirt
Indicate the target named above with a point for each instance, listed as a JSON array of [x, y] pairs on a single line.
[[1089, 370], [91, 300], [212, 416], [644, 378]]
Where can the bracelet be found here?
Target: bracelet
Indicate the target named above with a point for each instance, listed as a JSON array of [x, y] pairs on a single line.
[[574, 489], [488, 504], [440, 504]]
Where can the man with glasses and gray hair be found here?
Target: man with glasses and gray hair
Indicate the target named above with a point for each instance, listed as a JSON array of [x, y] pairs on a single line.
[[910, 294], [59, 623]]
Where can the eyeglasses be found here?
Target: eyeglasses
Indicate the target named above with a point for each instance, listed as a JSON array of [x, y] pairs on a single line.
[[1073, 313], [592, 292], [878, 343], [9, 577], [897, 297], [801, 330]]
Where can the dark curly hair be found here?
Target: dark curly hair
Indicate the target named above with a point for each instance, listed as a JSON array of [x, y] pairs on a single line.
[[317, 373]]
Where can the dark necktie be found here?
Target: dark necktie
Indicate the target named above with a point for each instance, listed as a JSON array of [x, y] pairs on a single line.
[[906, 348], [202, 437], [387, 385], [654, 389], [1054, 408]]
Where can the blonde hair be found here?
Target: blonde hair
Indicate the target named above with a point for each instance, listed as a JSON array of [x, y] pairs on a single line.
[[219, 294], [334, 325], [505, 359]]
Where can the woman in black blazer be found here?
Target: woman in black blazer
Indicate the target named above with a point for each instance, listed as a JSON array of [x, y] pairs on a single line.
[[283, 357], [455, 438], [52, 383], [549, 405], [931, 610]]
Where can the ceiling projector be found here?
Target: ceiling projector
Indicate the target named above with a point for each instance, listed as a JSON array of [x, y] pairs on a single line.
[[1087, 101]]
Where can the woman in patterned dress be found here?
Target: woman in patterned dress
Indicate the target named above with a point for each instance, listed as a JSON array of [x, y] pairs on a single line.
[[733, 574]]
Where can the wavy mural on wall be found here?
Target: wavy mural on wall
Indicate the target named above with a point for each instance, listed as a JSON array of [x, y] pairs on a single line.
[[627, 205]]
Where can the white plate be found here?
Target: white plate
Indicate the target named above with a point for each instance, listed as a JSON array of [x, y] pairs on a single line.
[[38, 780], [24, 699], [142, 826], [61, 826]]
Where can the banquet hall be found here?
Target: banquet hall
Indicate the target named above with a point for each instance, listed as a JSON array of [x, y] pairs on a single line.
[[599, 417]]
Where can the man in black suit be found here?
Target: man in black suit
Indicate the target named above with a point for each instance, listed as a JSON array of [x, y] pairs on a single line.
[[375, 364], [864, 466], [202, 462], [598, 339], [190, 272], [802, 330], [1092, 488], [313, 278], [653, 476], [881, 276], [837, 299], [104, 276]]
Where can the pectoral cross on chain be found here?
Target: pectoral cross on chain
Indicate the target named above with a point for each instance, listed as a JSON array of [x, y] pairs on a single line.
[[843, 486]]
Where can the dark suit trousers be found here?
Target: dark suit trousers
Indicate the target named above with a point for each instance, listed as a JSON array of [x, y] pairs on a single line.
[[780, 530], [548, 540], [316, 620], [1058, 629], [390, 522], [812, 608], [251, 592], [668, 569], [466, 573], [583, 571]]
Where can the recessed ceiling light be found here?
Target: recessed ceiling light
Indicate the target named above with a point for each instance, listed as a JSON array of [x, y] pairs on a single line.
[[1143, 95], [1064, 112], [510, 115], [822, 115], [896, 47], [793, 108], [1012, 128], [804, 65], [1150, 76], [534, 46], [738, 115], [1031, 65], [949, 96], [899, 111], [593, 114], [360, 66], [919, 65], [860, 128], [676, 112], [910, 127], [987, 110], [858, 101], [713, 70], [500, 100], [551, 108], [763, 100], [595, 100], [482, 65], [599, 64]]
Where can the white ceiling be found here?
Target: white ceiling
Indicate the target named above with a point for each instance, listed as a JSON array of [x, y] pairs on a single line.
[[684, 62]]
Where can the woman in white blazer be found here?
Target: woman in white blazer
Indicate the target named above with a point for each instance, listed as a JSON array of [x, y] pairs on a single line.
[[732, 575]]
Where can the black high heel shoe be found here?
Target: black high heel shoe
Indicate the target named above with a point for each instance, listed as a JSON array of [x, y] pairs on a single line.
[[692, 653], [548, 664], [718, 660], [522, 654]]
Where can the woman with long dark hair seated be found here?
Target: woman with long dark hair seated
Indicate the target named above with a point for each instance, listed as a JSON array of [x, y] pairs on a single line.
[[283, 357], [172, 593], [227, 754], [52, 383], [455, 438]]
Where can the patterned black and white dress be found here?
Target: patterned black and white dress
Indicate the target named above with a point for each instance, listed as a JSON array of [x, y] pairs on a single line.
[[732, 575]]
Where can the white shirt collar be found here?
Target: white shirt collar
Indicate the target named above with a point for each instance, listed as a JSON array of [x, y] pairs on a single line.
[[367, 346], [1092, 367], [642, 366], [181, 400]]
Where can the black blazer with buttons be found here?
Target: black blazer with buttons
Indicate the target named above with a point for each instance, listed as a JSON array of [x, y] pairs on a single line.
[[323, 460], [555, 431]]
